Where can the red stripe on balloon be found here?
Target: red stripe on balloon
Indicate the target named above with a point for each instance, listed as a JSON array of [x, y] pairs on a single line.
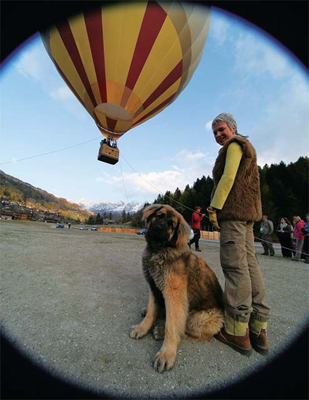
[[69, 42], [163, 104], [94, 26], [153, 20], [168, 82], [111, 123]]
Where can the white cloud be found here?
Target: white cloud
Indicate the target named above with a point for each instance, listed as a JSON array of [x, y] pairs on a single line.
[[253, 55], [208, 126], [187, 167], [68, 100], [283, 133], [270, 88], [28, 66], [34, 63], [152, 182], [219, 29], [187, 156], [63, 93]]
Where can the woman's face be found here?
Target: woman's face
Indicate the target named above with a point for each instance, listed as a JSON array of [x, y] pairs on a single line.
[[222, 132], [282, 220]]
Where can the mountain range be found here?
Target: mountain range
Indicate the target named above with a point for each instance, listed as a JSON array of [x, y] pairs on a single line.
[[17, 191], [108, 207]]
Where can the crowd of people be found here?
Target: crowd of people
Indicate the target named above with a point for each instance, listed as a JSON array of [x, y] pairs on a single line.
[[293, 237]]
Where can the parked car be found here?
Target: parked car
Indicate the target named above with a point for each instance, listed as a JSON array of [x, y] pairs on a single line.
[[141, 232], [83, 228], [94, 228], [59, 226]]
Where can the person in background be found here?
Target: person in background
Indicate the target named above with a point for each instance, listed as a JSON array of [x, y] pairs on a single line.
[[306, 240], [196, 227], [266, 230], [299, 236], [235, 206], [284, 231]]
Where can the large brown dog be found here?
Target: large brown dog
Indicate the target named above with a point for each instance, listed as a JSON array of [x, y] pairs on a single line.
[[182, 286]]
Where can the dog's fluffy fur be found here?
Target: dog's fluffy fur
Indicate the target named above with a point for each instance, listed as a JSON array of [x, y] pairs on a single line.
[[185, 297]]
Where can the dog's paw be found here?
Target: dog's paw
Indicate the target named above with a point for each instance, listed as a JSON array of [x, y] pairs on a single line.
[[138, 332], [164, 361], [159, 331]]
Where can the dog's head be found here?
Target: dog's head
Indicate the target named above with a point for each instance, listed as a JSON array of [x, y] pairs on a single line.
[[165, 226]]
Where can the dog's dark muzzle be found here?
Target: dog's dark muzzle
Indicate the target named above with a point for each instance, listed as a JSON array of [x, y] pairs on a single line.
[[157, 232]]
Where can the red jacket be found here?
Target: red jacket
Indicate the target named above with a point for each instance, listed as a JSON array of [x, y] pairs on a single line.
[[297, 230], [196, 220]]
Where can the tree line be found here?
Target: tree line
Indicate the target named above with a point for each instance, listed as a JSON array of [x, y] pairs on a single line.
[[104, 218], [284, 192]]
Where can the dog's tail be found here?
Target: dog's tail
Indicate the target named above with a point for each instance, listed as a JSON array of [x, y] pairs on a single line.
[[202, 325]]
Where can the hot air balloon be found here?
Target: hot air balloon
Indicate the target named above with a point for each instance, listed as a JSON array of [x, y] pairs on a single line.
[[126, 62]]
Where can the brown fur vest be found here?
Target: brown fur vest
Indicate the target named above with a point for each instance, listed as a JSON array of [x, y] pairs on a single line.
[[244, 200]]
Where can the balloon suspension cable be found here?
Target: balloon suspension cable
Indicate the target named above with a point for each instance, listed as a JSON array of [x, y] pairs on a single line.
[[175, 201], [126, 193], [110, 139]]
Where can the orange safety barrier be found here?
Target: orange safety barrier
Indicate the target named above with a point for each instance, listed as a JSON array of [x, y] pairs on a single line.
[[118, 230], [210, 235], [204, 234]]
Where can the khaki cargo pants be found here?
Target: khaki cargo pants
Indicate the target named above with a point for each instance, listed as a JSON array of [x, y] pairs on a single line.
[[244, 294]]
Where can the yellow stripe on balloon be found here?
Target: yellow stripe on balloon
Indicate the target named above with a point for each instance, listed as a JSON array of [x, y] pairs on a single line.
[[164, 96], [102, 119], [123, 126], [112, 18], [196, 53], [62, 58], [164, 56], [79, 31], [121, 27]]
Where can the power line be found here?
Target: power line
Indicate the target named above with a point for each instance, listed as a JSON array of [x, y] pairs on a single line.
[[158, 191], [50, 152], [99, 137]]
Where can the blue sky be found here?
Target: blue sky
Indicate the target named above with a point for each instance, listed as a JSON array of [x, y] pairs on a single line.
[[242, 71]]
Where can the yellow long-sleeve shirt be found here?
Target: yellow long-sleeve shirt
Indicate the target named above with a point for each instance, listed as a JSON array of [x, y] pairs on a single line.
[[232, 161]]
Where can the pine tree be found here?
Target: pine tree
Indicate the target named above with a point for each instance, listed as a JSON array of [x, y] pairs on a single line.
[[99, 219], [91, 220]]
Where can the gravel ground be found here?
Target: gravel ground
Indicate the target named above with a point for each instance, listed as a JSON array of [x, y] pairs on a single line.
[[70, 297]]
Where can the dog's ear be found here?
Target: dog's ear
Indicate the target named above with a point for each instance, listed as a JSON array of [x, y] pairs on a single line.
[[183, 232], [153, 209]]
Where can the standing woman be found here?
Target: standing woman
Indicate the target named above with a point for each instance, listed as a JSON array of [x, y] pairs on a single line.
[[284, 231], [306, 240], [299, 236], [235, 206]]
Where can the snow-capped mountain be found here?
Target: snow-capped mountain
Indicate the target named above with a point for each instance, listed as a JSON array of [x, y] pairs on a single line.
[[108, 207]]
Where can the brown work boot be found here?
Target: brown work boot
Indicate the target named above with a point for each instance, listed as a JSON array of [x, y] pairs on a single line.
[[259, 342], [239, 343]]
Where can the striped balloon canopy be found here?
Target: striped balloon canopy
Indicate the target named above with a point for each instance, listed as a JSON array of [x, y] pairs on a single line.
[[126, 62]]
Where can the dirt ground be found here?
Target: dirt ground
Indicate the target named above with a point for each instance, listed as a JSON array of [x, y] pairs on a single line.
[[70, 297]]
